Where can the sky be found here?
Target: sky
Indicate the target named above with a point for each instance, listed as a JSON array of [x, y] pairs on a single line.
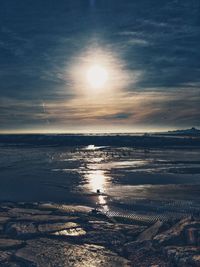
[[147, 53]]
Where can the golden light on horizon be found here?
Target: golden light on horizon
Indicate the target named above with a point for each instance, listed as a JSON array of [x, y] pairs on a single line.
[[97, 76]]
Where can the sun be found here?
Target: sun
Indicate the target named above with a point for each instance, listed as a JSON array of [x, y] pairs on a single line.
[[97, 76]]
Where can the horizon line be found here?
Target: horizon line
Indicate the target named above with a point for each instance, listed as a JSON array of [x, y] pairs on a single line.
[[93, 132]]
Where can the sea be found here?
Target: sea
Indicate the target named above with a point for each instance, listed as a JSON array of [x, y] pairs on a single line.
[[133, 179]]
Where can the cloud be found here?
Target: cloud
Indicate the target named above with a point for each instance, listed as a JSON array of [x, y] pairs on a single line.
[[156, 44], [148, 109]]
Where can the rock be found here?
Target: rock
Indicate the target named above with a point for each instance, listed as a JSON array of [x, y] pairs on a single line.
[[4, 219], [183, 256], [46, 218], [16, 212], [129, 229], [10, 243], [131, 247], [192, 235], [21, 229], [133, 232], [99, 225], [129, 232], [52, 227], [143, 254], [4, 256], [176, 234], [71, 232], [64, 208], [107, 238], [45, 252], [196, 260], [151, 232], [28, 229]]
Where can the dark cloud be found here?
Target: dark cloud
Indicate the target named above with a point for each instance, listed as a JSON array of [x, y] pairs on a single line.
[[116, 116]]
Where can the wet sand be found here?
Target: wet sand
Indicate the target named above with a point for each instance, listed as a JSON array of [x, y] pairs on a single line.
[[159, 183]]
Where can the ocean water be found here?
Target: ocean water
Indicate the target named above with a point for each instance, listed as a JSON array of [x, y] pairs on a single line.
[[119, 180]]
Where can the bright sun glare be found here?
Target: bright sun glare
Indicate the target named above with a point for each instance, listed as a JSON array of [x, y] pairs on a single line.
[[97, 76]]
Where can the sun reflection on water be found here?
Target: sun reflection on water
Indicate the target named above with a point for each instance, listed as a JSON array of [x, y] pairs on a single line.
[[97, 179], [90, 147], [97, 182]]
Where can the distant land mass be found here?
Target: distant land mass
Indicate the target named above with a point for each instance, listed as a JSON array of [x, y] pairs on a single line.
[[185, 132]]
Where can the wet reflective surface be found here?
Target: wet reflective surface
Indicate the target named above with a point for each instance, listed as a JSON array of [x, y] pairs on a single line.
[[100, 176]]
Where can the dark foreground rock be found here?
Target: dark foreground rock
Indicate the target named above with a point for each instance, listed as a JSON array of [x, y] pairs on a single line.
[[4, 256], [10, 243], [29, 229], [171, 247], [183, 256], [52, 235], [151, 232], [179, 234], [46, 252]]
